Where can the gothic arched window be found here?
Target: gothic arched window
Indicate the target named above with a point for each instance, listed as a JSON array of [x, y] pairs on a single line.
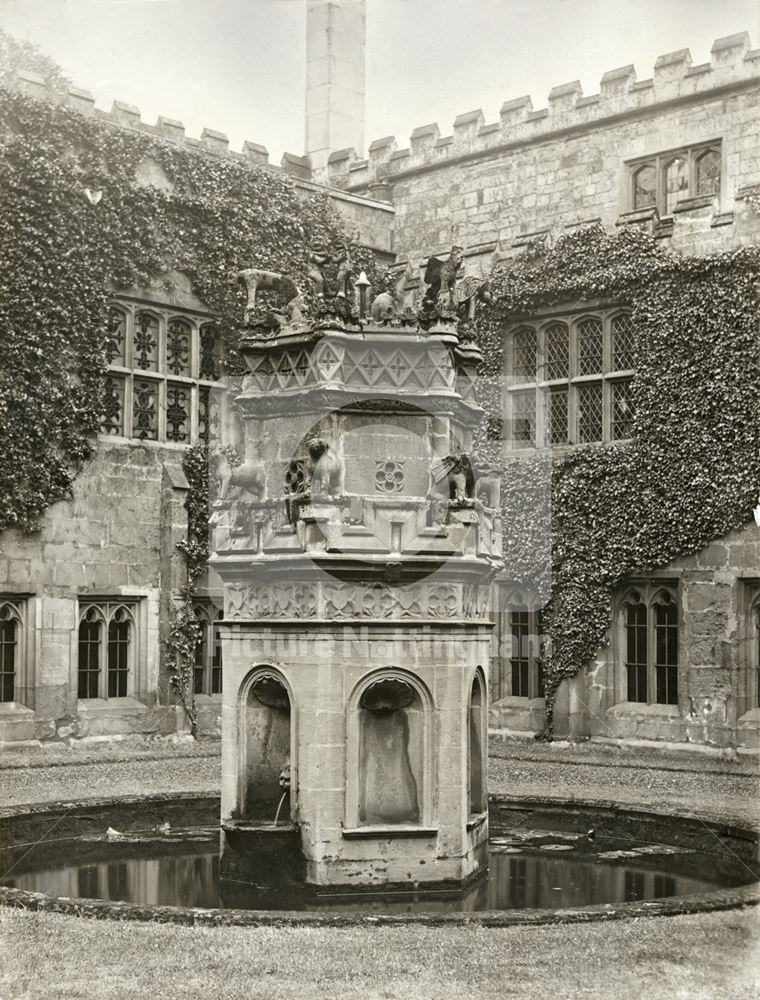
[[651, 645], [207, 674], [105, 650], [10, 643], [644, 186], [676, 182]]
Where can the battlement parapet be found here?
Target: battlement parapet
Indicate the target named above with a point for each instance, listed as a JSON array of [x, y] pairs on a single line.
[[732, 63], [128, 116]]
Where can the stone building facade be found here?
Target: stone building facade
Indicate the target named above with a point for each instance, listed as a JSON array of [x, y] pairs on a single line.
[[84, 603]]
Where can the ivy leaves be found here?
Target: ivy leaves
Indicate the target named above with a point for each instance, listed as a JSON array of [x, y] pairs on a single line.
[[692, 472], [61, 255]]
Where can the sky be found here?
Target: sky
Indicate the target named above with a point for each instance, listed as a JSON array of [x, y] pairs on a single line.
[[238, 66]]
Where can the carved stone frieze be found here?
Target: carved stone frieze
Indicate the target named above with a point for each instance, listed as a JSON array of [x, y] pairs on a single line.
[[342, 601], [364, 365], [271, 600]]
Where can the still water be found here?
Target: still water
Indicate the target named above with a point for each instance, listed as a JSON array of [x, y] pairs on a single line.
[[552, 875]]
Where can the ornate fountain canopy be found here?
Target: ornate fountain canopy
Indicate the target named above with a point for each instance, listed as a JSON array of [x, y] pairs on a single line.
[[359, 420]]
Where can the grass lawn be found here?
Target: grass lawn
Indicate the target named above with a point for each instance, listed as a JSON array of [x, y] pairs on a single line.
[[701, 957]]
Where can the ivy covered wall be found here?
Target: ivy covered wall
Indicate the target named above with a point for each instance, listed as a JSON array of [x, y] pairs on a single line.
[[161, 207], [692, 472]]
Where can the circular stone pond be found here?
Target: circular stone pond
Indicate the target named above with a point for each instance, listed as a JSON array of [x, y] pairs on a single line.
[[157, 858]]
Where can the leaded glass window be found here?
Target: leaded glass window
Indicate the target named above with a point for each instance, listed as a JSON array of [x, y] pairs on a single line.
[[10, 628], [623, 342], [644, 186], [526, 676], [210, 353], [590, 412], [557, 351], [119, 632], [666, 652], [207, 672], [650, 643], [520, 660], [557, 417], [113, 414], [177, 412], [145, 342], [155, 388], [590, 347], [115, 341], [90, 642], [676, 183], [105, 650], [623, 410], [665, 179], [524, 355], [178, 347], [580, 395], [204, 413], [524, 418], [636, 651], [708, 173], [145, 409]]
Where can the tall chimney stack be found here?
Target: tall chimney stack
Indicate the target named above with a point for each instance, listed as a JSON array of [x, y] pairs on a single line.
[[335, 41]]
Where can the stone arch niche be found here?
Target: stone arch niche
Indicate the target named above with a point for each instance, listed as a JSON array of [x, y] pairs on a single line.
[[267, 739], [389, 757], [476, 759]]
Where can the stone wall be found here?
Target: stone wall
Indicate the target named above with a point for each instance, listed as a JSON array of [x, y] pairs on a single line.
[[371, 218], [493, 186], [717, 590], [115, 538]]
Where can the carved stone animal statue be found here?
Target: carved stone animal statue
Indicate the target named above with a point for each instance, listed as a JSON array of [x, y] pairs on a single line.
[[324, 469], [407, 287], [295, 311], [440, 277], [255, 280], [453, 476], [469, 291], [318, 261], [250, 478], [332, 276]]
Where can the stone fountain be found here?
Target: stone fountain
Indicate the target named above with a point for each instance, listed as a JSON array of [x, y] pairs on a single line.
[[356, 543]]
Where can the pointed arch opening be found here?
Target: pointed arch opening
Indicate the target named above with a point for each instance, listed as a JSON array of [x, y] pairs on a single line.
[[267, 733], [476, 727], [389, 756]]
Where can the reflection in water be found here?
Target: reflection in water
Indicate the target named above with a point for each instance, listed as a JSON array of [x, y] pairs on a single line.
[[515, 881]]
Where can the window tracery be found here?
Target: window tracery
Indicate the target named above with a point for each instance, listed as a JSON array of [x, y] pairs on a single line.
[[570, 380], [11, 660], [106, 650], [650, 624], [207, 675], [664, 180], [163, 375]]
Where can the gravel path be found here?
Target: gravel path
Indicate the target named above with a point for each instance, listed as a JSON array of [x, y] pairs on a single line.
[[694, 785]]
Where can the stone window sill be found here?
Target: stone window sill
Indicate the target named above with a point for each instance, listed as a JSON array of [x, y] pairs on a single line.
[[514, 701], [110, 706], [640, 708], [382, 832], [258, 826], [15, 708], [477, 820], [208, 699]]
